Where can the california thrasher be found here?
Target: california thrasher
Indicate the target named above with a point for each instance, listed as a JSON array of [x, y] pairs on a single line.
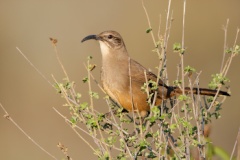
[[123, 83]]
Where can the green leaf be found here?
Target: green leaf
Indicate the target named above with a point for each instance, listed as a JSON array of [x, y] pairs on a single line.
[[151, 155], [189, 69], [217, 81], [121, 156], [91, 67], [83, 105], [74, 119], [91, 123], [173, 126], [148, 30], [210, 99], [195, 143], [148, 135], [157, 44], [236, 49], [163, 116], [101, 117], [143, 144], [132, 139], [183, 98], [177, 47], [94, 95], [110, 140], [228, 50], [68, 85], [177, 82], [155, 110], [85, 79], [152, 84], [57, 87], [78, 95], [89, 57]]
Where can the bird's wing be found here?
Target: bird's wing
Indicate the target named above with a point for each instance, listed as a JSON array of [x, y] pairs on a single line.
[[137, 74]]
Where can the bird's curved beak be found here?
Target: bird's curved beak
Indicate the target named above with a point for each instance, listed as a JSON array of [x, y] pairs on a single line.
[[90, 37]]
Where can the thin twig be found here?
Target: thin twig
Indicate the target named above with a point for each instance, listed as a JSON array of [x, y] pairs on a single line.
[[236, 145], [167, 28], [236, 38], [95, 80], [159, 27], [8, 117], [84, 140], [187, 151], [121, 134], [59, 61], [64, 150], [131, 92], [149, 24], [225, 28], [38, 71]]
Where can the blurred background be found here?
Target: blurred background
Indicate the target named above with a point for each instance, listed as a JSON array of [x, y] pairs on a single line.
[[29, 99]]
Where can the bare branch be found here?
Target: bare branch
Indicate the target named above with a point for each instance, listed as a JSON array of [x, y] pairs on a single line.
[[8, 117]]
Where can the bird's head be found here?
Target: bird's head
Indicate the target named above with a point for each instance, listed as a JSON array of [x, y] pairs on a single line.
[[109, 41]]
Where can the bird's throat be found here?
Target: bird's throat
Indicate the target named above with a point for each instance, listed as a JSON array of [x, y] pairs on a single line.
[[105, 50]]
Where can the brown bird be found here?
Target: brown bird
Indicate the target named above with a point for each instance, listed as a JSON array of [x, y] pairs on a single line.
[[115, 76]]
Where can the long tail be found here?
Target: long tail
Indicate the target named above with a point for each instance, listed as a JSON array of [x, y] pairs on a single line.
[[201, 91]]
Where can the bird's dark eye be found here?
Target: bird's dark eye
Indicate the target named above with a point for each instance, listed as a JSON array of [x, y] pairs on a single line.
[[110, 36]]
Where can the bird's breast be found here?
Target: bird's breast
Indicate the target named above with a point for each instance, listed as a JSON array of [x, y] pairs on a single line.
[[114, 79]]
